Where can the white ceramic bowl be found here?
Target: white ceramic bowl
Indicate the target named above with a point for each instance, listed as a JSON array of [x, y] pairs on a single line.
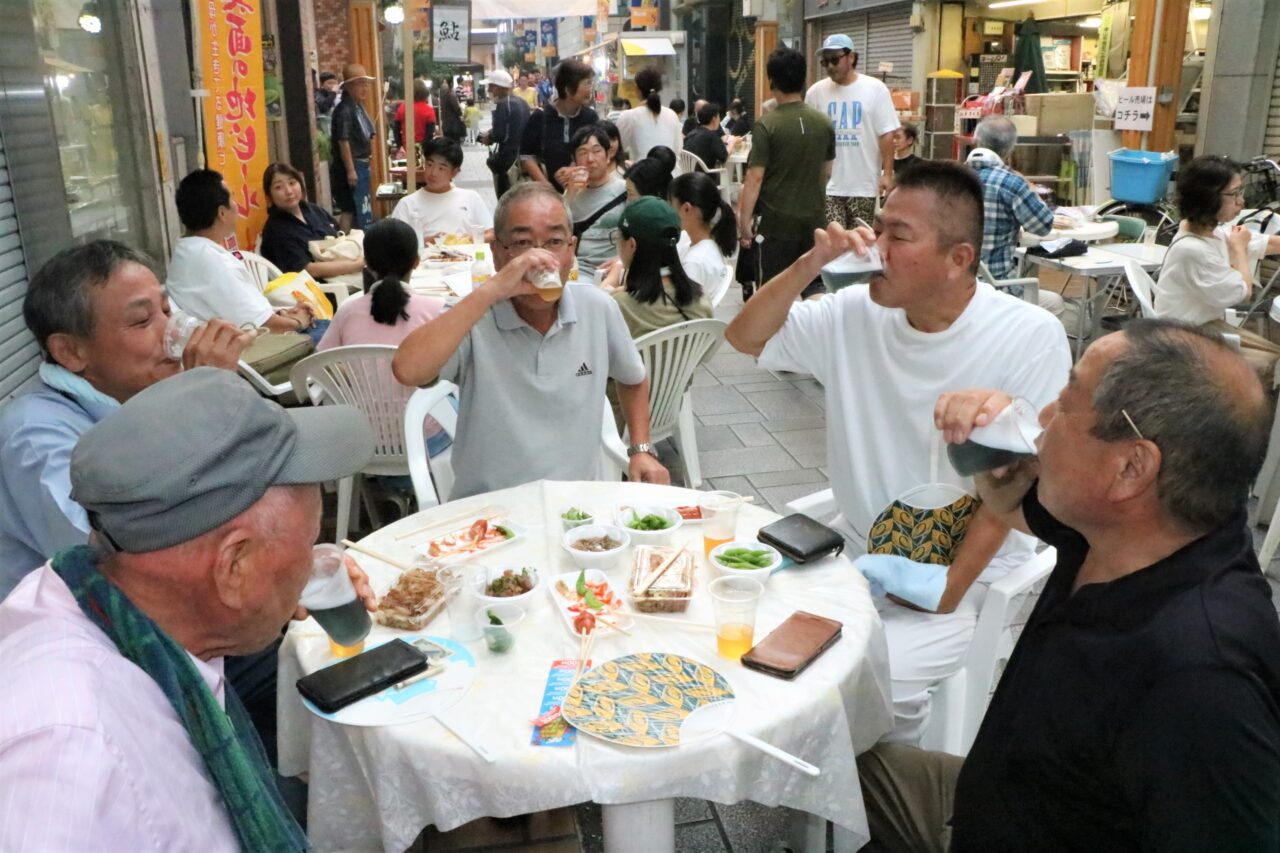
[[569, 524], [486, 575], [649, 537], [596, 559], [761, 574]]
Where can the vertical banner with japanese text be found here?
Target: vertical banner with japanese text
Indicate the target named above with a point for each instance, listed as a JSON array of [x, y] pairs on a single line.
[[549, 33], [235, 119], [450, 33]]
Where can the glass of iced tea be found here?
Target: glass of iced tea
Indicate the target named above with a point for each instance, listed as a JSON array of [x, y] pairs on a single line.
[[734, 600], [719, 518], [332, 600]]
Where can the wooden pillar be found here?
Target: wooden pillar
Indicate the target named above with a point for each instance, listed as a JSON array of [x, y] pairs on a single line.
[[362, 24], [766, 43], [1155, 59]]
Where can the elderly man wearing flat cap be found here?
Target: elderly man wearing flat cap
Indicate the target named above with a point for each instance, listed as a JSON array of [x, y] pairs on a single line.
[[352, 133], [117, 731]]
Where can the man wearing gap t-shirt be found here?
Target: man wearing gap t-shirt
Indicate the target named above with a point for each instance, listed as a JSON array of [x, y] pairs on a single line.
[[884, 353], [1139, 708]]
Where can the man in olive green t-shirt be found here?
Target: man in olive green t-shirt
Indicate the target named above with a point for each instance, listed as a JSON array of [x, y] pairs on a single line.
[[792, 149]]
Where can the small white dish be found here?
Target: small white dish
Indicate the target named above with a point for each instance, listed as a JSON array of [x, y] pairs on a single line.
[[595, 559], [627, 514], [490, 574], [761, 574]]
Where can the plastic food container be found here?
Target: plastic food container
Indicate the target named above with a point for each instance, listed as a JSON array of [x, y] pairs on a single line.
[[669, 593]]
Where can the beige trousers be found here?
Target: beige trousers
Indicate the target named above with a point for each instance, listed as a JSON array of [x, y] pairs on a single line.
[[908, 793]]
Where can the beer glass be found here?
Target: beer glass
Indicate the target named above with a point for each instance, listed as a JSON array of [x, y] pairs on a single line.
[[331, 598]]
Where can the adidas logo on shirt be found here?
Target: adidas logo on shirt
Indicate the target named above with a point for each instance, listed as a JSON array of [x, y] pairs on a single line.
[[584, 370]]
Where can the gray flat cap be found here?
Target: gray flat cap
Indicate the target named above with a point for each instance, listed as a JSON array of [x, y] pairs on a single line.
[[192, 452]]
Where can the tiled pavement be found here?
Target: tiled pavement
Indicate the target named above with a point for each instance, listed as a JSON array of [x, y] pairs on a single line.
[[760, 433]]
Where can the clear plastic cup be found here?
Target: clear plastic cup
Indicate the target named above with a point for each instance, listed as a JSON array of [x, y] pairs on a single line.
[[734, 600], [331, 598], [178, 332], [462, 600], [850, 269], [719, 518], [549, 285], [499, 636]]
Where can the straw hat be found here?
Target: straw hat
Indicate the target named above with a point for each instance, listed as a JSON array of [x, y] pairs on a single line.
[[352, 72]]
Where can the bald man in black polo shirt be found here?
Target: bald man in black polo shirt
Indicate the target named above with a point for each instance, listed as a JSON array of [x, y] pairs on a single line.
[[1141, 707]]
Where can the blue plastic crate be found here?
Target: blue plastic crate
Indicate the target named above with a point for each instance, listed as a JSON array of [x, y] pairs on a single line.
[[1140, 177]]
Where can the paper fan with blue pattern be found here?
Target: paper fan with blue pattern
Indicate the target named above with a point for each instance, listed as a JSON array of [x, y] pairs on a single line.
[[642, 699]]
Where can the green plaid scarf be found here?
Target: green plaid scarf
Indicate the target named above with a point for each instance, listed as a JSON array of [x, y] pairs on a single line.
[[226, 740]]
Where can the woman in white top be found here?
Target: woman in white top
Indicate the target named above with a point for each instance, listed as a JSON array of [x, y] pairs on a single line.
[[651, 124], [711, 228], [1209, 266]]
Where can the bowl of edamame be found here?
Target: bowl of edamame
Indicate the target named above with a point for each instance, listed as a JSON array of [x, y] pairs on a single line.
[[745, 557]]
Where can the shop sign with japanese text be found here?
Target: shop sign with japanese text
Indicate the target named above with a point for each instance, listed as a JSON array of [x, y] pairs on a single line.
[[451, 33], [235, 112]]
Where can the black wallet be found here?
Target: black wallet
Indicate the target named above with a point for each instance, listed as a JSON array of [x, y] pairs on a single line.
[[335, 687], [801, 538]]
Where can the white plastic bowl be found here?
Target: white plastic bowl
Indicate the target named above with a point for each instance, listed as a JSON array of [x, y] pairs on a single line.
[[649, 537], [761, 575], [486, 575], [596, 559]]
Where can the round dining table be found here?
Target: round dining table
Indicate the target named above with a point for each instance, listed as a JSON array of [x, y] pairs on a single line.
[[378, 787]]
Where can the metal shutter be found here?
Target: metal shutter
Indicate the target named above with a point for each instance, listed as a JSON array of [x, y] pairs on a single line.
[[19, 355], [1271, 141], [889, 40], [851, 24]]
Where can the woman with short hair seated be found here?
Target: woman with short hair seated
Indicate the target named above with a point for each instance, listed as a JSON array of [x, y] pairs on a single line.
[[293, 222], [1209, 265]]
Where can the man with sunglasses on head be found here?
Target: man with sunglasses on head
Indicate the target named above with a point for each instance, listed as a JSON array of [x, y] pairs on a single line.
[[532, 371], [862, 113]]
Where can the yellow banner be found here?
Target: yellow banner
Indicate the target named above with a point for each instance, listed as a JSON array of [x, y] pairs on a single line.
[[235, 119]]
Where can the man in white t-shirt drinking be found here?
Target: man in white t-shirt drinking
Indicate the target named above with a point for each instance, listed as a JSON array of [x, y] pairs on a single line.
[[440, 209], [884, 353], [863, 115]]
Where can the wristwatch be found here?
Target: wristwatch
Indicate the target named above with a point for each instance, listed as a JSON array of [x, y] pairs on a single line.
[[645, 447]]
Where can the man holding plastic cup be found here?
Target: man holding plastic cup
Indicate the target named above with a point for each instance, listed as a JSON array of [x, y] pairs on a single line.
[[531, 358], [884, 352], [119, 731], [1138, 709]]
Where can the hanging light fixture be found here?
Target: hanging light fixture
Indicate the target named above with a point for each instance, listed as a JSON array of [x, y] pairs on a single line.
[[393, 14], [1201, 13], [1092, 23], [90, 21]]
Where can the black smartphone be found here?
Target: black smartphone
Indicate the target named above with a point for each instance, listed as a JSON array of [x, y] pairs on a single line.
[[335, 687]]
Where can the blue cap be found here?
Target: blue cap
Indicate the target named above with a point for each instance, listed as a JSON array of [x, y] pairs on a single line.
[[837, 42]]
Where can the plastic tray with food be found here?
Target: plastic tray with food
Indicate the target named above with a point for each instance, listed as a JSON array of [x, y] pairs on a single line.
[[587, 603], [413, 601], [463, 543], [671, 592]]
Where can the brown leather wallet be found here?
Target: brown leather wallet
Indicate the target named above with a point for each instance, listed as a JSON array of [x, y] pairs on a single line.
[[793, 645]]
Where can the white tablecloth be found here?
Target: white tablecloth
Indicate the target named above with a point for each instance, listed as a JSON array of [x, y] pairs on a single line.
[[379, 787], [1088, 232]]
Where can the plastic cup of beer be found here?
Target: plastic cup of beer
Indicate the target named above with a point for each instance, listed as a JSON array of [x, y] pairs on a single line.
[[178, 332], [734, 600], [331, 598], [850, 269], [719, 518], [549, 285]]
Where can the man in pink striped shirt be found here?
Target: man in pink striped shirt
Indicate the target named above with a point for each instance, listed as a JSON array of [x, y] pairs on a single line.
[[117, 731]]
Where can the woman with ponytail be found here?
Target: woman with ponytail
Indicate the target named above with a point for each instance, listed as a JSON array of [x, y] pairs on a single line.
[[651, 286], [386, 312], [650, 123], [711, 227]]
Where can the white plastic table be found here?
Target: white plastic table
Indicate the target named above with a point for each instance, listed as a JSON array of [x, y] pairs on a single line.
[[1088, 232], [376, 788], [1101, 263]]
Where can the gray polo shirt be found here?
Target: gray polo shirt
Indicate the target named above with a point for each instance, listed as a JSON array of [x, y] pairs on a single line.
[[532, 405]]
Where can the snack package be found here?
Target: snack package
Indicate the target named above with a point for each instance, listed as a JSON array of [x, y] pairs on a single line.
[[671, 592], [550, 728]]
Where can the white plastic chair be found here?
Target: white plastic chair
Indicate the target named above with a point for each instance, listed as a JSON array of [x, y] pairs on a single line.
[[1142, 287], [359, 376], [690, 162], [960, 701], [260, 383], [727, 275], [433, 478], [670, 357], [1030, 285], [263, 271]]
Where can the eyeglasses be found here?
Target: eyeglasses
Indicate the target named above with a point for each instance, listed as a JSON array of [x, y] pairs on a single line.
[[1237, 193], [615, 236], [1133, 426], [555, 244], [832, 60]]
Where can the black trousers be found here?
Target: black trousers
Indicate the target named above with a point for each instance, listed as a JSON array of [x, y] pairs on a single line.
[[253, 678], [776, 254]]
